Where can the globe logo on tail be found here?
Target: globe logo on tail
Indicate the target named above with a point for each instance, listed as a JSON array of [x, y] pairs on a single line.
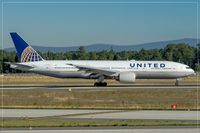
[[30, 55]]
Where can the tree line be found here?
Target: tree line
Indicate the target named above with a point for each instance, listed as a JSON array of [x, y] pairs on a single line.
[[181, 52]]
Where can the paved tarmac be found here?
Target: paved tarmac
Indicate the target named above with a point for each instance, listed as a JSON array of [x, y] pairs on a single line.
[[142, 129], [103, 114], [145, 115], [45, 112], [108, 87]]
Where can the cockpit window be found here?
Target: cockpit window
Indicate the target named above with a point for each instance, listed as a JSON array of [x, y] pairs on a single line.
[[188, 68]]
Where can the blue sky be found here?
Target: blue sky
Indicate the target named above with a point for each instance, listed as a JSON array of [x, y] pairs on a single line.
[[70, 24]]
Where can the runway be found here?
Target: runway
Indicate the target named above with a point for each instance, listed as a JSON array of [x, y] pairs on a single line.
[[17, 113], [108, 87], [144, 129], [103, 114], [144, 115]]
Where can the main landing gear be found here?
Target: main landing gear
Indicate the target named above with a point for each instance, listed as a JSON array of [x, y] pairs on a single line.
[[100, 82]]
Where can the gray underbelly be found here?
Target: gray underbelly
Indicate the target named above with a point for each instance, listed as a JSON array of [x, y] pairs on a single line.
[[160, 75], [65, 74], [139, 75]]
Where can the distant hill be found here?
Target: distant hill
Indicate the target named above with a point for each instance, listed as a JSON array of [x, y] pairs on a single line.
[[100, 47]]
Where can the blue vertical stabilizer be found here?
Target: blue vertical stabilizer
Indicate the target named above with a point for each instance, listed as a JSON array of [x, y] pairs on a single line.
[[24, 51]]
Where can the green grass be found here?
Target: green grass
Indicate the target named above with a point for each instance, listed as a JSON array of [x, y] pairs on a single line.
[[45, 122], [186, 99], [101, 98]]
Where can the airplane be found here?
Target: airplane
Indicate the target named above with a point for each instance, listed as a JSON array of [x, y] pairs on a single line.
[[126, 71]]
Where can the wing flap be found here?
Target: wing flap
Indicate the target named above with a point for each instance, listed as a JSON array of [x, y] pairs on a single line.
[[95, 70]]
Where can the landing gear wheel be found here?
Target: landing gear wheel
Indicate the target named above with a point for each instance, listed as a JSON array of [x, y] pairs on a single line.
[[100, 84], [95, 84], [177, 82], [104, 84]]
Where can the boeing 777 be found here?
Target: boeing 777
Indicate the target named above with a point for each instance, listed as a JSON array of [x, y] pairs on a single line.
[[126, 71]]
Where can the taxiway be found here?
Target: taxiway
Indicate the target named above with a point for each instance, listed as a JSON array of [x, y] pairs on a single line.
[[143, 129], [104, 114], [108, 87]]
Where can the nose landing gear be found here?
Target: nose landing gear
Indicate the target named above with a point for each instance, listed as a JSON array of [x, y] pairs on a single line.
[[177, 83]]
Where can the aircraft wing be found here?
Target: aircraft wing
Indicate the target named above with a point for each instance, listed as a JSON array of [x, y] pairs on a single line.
[[19, 66], [95, 70]]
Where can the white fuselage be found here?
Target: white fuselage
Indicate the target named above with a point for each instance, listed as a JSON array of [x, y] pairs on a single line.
[[142, 69]]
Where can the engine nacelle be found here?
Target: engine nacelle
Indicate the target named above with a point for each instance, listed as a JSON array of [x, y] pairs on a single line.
[[127, 77]]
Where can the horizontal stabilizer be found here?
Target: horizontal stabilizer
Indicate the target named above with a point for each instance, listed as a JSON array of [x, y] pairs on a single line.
[[19, 66]]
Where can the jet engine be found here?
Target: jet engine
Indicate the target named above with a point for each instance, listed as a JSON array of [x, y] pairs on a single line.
[[127, 77]]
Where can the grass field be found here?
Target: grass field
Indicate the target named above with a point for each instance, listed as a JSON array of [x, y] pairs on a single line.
[[46, 122], [97, 98], [101, 99], [38, 80], [134, 99]]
